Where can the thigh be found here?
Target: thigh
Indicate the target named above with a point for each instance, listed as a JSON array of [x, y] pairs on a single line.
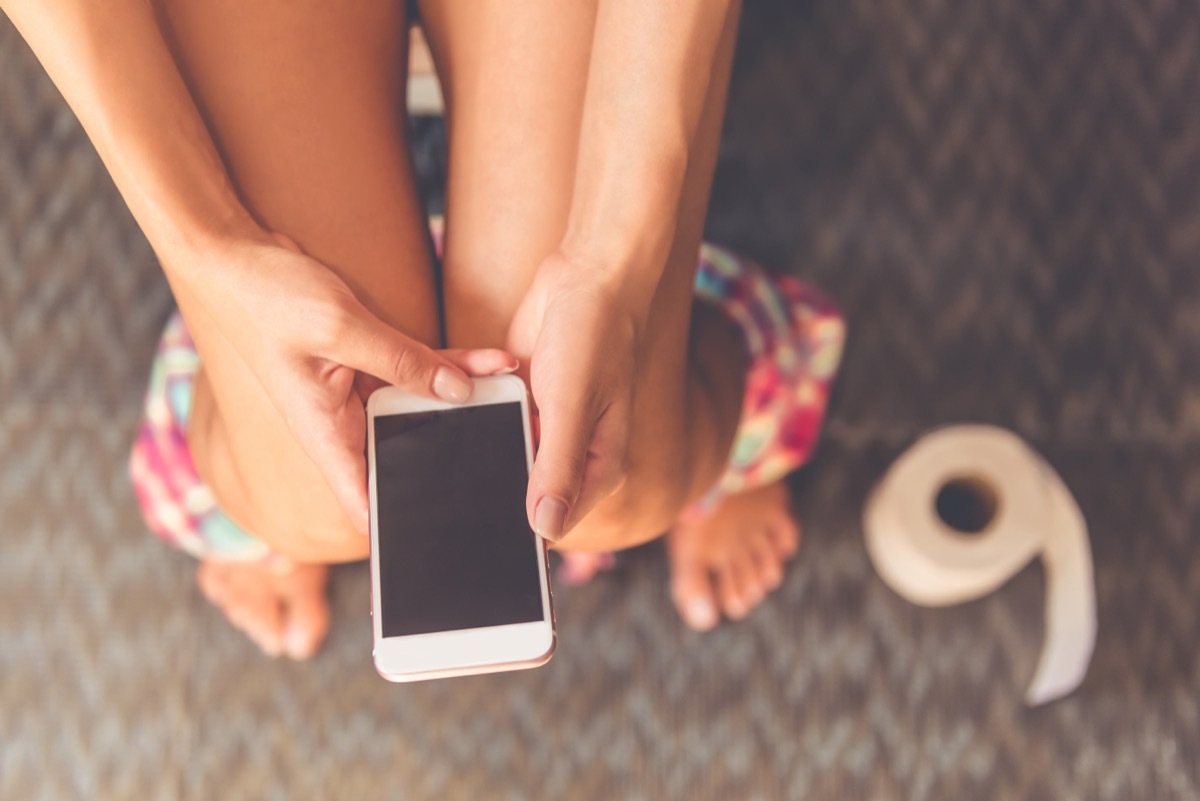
[[514, 76], [305, 101]]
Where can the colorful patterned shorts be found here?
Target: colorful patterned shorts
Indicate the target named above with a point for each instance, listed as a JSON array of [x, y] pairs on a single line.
[[794, 336]]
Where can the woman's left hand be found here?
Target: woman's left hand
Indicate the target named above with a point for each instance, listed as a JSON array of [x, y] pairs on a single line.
[[581, 335]]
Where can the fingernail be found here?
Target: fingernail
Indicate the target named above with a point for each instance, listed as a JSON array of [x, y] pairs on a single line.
[[701, 614], [450, 385], [549, 518], [297, 644], [512, 368]]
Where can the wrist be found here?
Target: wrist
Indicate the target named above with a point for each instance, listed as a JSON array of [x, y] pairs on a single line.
[[198, 240], [207, 216], [624, 246], [621, 288], [623, 210], [194, 238]]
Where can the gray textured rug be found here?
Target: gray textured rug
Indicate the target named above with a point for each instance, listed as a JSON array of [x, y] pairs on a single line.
[[1006, 199]]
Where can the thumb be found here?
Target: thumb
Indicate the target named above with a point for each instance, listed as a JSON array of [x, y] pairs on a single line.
[[580, 462], [336, 449], [335, 441], [373, 347], [558, 469]]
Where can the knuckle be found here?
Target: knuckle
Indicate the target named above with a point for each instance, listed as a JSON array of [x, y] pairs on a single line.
[[330, 324], [409, 366]]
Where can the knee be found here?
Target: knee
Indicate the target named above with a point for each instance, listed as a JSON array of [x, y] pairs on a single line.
[[645, 505], [285, 503]]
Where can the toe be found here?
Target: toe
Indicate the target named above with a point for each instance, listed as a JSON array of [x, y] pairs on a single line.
[[305, 609], [261, 623], [785, 535], [736, 586], [241, 592], [264, 624], [307, 625], [692, 592], [213, 580], [768, 566]]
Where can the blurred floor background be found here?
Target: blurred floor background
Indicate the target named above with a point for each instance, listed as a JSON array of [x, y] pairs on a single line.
[[1005, 197]]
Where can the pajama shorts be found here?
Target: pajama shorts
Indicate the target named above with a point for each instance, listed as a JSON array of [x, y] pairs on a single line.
[[793, 334]]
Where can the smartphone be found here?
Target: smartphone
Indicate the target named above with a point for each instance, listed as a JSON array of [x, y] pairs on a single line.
[[460, 582]]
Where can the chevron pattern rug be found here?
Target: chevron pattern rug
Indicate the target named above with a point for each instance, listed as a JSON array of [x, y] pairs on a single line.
[[1006, 199]]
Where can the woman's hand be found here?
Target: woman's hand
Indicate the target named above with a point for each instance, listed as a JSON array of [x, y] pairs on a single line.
[[319, 352], [582, 334]]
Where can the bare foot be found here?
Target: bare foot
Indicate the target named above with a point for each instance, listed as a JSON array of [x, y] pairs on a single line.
[[729, 561], [284, 611]]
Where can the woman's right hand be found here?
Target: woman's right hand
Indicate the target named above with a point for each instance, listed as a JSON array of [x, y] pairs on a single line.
[[319, 352]]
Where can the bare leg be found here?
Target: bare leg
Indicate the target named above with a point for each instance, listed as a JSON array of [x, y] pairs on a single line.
[[304, 100], [514, 76]]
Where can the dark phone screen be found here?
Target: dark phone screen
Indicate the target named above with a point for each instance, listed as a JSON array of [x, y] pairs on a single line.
[[455, 548]]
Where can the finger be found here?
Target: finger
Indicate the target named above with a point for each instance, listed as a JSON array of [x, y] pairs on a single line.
[[346, 471], [335, 442], [566, 431], [482, 361], [374, 347], [535, 423], [578, 464], [365, 384], [604, 470]]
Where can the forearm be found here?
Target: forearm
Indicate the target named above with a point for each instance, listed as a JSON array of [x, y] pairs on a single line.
[[649, 78], [112, 64]]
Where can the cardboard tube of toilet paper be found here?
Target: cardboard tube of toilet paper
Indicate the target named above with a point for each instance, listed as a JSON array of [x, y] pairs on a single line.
[[930, 563]]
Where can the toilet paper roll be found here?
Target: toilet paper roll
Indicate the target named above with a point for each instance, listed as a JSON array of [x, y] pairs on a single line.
[[930, 563]]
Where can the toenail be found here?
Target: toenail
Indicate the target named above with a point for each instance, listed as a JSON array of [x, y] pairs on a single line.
[[701, 614], [298, 644]]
